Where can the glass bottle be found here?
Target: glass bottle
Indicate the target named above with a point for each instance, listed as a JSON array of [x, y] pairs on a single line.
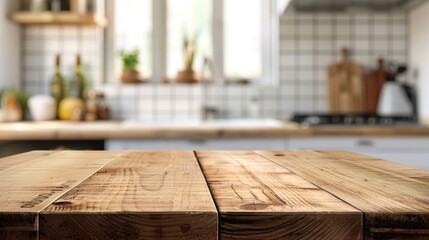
[[78, 83], [58, 83]]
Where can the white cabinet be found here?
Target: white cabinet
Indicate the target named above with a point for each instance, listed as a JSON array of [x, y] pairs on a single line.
[[197, 144], [409, 151]]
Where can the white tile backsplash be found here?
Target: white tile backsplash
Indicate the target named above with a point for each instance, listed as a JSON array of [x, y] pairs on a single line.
[[306, 30], [43, 43], [325, 29], [360, 29], [368, 36], [380, 29], [308, 44]]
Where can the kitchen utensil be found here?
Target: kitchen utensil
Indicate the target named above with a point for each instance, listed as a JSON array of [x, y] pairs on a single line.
[[411, 93], [42, 108], [394, 101], [374, 84], [347, 91]]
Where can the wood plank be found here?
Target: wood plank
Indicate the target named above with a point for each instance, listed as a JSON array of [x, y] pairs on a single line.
[[395, 206], [141, 195], [13, 161], [397, 168], [258, 199], [32, 184]]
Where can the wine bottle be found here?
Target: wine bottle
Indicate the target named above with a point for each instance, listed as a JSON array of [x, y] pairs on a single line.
[[58, 83], [78, 83]]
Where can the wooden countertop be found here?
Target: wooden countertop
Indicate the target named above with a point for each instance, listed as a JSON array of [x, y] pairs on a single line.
[[116, 130], [210, 195]]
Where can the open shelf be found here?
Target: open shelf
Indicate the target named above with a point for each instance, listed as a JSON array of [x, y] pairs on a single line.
[[50, 18]]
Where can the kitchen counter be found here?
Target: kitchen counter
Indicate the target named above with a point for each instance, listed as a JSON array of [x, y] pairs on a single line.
[[117, 130], [183, 195]]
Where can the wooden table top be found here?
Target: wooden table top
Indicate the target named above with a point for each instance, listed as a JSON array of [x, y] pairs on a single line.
[[210, 195]]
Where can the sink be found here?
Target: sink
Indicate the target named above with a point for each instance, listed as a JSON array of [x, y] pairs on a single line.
[[220, 123]]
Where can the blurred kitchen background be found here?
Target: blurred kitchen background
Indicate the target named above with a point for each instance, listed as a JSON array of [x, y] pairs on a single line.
[[216, 74], [263, 59]]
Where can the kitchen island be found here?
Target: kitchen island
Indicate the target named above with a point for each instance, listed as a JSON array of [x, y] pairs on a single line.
[[210, 195]]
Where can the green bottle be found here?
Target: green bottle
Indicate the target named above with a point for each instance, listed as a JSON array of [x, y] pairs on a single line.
[[58, 83], [78, 83]]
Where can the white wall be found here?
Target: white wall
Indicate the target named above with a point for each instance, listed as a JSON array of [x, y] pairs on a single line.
[[9, 47], [419, 42]]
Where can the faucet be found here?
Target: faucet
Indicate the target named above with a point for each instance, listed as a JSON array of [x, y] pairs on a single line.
[[207, 76]]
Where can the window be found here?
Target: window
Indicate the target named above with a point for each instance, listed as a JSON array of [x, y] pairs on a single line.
[[243, 39], [239, 36], [190, 18], [133, 30]]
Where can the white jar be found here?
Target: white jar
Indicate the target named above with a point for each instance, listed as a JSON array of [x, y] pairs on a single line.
[[42, 108]]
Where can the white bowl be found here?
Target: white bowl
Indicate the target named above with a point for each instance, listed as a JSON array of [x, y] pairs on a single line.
[[42, 108]]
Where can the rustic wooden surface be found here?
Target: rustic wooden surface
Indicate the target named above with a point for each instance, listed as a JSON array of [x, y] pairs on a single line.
[[397, 168], [14, 161], [35, 181], [114, 130], [395, 205], [258, 199], [164, 194], [140, 195]]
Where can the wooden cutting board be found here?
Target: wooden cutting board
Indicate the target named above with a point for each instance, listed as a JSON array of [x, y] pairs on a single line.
[[347, 91], [374, 84]]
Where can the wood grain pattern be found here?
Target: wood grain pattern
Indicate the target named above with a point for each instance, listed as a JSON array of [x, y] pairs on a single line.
[[13, 161], [395, 206], [397, 168], [258, 199], [141, 195], [30, 182]]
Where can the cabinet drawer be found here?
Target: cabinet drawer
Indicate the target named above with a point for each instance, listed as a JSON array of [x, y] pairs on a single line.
[[198, 144], [353, 143]]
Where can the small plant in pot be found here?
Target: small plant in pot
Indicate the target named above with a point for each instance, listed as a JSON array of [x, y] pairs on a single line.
[[188, 75], [130, 62]]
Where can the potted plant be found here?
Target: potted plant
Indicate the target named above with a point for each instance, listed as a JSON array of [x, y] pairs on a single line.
[[130, 62], [188, 75], [13, 105]]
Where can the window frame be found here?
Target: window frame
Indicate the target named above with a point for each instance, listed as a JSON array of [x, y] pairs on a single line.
[[269, 42]]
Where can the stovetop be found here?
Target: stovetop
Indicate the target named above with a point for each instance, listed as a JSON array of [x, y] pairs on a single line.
[[354, 120]]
